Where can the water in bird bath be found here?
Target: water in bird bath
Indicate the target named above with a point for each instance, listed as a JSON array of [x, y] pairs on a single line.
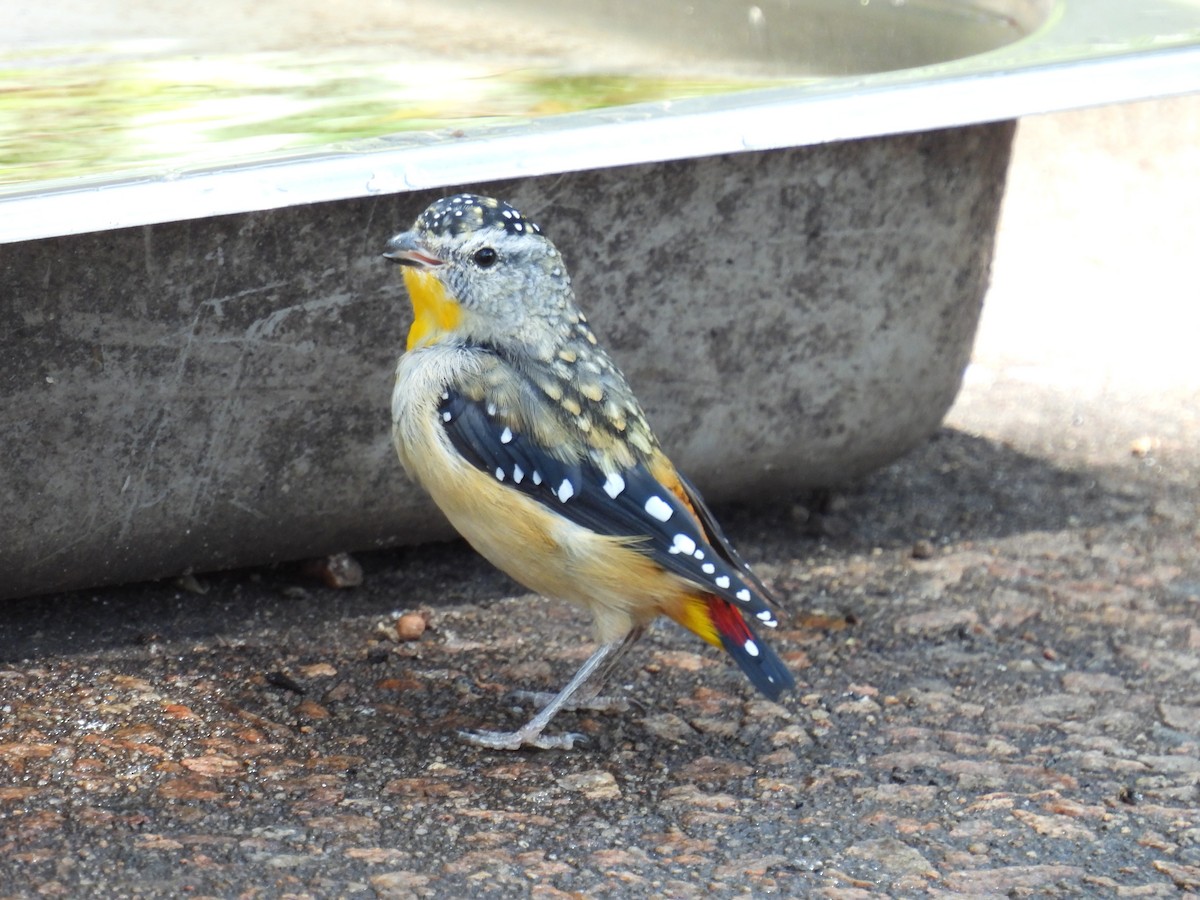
[[106, 86]]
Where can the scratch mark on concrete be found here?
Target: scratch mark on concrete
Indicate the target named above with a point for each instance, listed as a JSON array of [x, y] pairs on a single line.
[[265, 327], [217, 303], [156, 428], [237, 504]]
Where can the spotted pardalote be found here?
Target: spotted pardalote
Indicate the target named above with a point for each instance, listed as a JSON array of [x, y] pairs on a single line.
[[519, 425]]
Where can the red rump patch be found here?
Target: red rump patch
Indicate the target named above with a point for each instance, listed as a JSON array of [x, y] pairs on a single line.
[[728, 620], [764, 669]]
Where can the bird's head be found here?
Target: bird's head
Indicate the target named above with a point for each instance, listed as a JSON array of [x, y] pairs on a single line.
[[476, 269]]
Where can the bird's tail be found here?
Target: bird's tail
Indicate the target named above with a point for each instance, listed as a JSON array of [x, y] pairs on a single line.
[[722, 624]]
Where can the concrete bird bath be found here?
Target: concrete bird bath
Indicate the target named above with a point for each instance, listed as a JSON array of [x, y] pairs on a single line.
[[785, 240]]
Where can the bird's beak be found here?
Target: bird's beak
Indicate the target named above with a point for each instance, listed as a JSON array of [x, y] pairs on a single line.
[[407, 250]]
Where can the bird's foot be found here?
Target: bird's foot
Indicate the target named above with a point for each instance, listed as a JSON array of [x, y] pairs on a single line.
[[593, 704], [523, 737]]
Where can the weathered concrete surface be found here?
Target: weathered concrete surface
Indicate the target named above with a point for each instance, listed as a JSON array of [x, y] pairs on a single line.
[[214, 393], [997, 639]]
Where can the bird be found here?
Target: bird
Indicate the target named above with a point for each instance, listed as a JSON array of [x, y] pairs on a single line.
[[510, 414]]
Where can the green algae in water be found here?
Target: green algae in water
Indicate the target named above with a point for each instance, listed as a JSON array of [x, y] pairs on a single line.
[[86, 118]]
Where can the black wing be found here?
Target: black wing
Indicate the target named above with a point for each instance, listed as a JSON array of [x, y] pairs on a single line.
[[626, 503]]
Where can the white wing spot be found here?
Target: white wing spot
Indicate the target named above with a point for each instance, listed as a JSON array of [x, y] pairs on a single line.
[[446, 417], [499, 474], [518, 474], [491, 408], [750, 647], [565, 491], [699, 554], [708, 568], [683, 544], [658, 508], [506, 436], [613, 485], [537, 477], [445, 395], [744, 596], [721, 581]]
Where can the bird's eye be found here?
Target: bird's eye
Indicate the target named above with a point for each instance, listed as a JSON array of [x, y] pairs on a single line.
[[485, 257]]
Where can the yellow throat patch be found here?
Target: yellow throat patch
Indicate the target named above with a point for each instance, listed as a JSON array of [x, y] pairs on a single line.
[[435, 312]]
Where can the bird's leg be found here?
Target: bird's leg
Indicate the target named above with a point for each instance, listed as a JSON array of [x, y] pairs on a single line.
[[587, 696], [601, 663]]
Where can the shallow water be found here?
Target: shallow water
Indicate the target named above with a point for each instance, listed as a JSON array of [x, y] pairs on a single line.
[[185, 87]]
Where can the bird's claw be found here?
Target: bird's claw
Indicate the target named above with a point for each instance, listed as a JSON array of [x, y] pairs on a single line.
[[516, 740], [591, 704]]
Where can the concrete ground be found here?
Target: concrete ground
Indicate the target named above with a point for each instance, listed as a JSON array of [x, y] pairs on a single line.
[[997, 643]]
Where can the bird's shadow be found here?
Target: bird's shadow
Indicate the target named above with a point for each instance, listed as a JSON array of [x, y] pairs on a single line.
[[954, 487]]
